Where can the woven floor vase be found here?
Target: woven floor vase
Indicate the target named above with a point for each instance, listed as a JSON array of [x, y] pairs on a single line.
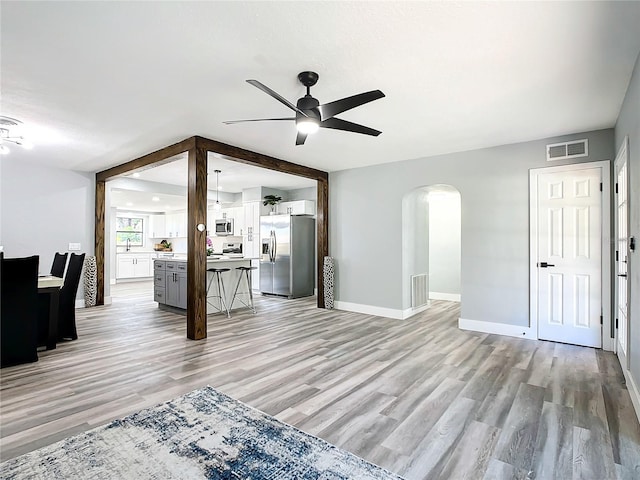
[[90, 281], [328, 274]]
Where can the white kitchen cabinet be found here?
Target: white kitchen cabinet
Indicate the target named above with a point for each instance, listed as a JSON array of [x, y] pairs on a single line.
[[298, 207], [239, 226], [223, 213], [157, 226], [133, 265], [251, 237], [176, 225], [212, 214], [251, 221]]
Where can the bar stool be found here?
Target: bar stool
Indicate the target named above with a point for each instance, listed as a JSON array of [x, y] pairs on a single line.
[[245, 272], [221, 293]]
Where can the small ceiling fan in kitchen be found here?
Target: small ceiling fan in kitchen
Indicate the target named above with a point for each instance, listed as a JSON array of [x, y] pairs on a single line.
[[310, 115]]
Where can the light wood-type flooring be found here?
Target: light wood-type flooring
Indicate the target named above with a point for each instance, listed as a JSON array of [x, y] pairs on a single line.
[[419, 397]]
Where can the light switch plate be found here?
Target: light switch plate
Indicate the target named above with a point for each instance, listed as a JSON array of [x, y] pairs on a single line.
[[74, 246]]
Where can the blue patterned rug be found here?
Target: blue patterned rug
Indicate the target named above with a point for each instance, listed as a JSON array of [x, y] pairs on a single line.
[[203, 434]]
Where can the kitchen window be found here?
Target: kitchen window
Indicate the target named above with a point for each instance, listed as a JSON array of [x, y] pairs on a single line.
[[129, 232]]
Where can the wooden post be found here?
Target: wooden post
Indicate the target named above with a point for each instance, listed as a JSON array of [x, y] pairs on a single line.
[[197, 244], [322, 217], [99, 240]]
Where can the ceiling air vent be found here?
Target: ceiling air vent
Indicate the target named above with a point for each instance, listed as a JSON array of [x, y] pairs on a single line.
[[561, 151]]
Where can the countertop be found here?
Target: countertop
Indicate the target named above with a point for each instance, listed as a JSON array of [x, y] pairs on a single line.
[[134, 252], [211, 259]]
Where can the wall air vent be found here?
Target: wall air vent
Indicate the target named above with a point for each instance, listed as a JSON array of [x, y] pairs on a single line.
[[419, 290], [562, 151]]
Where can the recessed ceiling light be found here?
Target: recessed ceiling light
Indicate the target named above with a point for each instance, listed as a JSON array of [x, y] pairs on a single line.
[[136, 175], [155, 199]]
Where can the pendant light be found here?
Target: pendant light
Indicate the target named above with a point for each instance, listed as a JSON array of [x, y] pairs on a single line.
[[217, 205]]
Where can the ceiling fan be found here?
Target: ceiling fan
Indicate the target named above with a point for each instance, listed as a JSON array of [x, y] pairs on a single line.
[[310, 115]]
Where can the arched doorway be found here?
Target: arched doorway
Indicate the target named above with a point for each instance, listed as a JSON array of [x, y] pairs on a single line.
[[431, 247]]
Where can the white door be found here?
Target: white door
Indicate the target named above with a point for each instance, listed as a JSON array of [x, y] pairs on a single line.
[[569, 256], [622, 251]]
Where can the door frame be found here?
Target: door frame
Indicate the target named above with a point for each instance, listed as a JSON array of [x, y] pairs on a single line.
[[608, 342], [621, 156]]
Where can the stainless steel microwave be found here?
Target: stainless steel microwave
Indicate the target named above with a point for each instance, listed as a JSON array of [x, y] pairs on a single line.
[[224, 227]]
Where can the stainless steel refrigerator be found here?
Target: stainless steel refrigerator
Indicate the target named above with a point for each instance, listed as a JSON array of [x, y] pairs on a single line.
[[287, 255]]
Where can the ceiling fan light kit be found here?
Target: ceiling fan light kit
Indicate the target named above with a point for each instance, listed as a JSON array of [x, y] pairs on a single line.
[[307, 125], [310, 115]]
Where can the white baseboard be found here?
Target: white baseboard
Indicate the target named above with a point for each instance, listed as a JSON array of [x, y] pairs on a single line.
[[410, 312], [497, 328], [379, 311], [369, 309], [634, 393], [450, 297]]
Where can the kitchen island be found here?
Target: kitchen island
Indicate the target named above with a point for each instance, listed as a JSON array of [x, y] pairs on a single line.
[[170, 282]]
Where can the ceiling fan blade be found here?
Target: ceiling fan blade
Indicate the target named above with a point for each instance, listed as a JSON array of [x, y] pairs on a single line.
[[328, 110], [230, 122], [300, 138], [339, 124], [275, 95]]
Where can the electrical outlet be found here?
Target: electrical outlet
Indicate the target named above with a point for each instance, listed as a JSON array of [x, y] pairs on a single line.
[[74, 246]]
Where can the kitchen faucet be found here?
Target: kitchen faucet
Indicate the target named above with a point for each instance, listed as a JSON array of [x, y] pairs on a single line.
[[128, 244]]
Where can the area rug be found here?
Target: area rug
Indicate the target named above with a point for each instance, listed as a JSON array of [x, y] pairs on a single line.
[[201, 435]]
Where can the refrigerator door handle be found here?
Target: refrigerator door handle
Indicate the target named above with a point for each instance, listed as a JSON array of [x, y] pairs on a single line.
[[275, 247], [272, 246]]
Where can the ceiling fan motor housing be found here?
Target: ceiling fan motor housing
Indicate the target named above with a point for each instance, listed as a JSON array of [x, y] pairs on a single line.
[[309, 106]]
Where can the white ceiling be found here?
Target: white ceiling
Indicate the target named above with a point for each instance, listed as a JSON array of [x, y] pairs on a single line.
[[101, 83], [233, 178], [131, 200]]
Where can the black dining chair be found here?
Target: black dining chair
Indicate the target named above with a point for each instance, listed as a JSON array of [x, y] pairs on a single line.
[[67, 306], [19, 310], [59, 262]]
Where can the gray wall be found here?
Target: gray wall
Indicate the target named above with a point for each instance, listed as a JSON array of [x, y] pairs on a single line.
[[366, 224], [309, 193], [629, 124], [44, 209], [415, 240], [444, 243]]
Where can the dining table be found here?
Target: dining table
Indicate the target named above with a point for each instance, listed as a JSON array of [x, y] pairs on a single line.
[[50, 285]]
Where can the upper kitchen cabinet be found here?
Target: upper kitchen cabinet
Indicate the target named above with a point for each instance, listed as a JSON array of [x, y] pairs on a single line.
[[298, 207], [176, 224], [171, 225], [157, 226], [238, 220]]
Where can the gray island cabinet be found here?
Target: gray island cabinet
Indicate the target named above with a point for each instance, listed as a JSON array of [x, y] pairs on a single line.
[[170, 282]]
